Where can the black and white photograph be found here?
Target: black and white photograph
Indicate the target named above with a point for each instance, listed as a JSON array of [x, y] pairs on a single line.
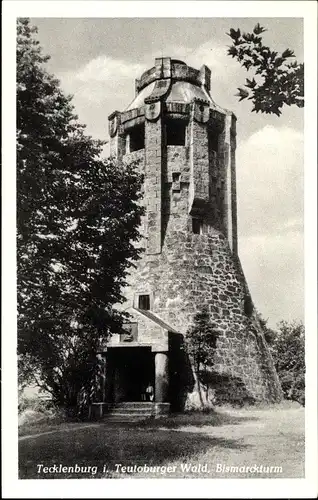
[[162, 300]]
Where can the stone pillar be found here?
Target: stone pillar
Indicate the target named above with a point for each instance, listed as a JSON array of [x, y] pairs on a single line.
[[117, 137], [153, 181], [161, 377], [199, 158]]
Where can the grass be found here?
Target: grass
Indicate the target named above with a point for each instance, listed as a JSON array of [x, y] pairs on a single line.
[[272, 436]]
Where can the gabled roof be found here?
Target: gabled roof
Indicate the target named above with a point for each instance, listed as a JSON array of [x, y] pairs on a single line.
[[150, 315]]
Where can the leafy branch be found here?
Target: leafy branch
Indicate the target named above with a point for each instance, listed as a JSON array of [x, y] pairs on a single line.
[[276, 81]]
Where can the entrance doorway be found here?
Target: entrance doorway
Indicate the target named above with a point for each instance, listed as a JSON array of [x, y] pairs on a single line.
[[131, 371]]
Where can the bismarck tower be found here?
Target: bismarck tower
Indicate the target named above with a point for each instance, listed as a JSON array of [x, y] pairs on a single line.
[[185, 146]]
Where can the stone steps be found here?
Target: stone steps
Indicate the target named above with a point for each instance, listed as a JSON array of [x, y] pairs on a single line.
[[126, 417], [130, 411], [133, 404]]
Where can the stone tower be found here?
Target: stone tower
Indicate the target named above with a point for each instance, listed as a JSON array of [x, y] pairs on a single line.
[[185, 146]]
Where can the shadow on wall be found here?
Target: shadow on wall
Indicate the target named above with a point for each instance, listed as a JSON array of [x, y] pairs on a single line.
[[215, 388], [226, 388], [182, 381]]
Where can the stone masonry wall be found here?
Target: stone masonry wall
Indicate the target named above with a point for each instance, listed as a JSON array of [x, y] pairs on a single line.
[[194, 271], [148, 332]]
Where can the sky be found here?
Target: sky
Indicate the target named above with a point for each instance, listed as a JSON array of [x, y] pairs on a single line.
[[97, 61]]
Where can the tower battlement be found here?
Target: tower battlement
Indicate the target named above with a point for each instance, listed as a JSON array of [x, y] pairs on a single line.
[[165, 67]]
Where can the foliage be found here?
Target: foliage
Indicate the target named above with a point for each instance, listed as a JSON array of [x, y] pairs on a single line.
[[36, 404], [201, 340], [269, 333], [277, 82], [288, 351], [77, 219]]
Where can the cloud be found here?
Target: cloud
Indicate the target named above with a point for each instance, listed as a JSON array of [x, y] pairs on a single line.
[[215, 57], [106, 69], [270, 181], [225, 71], [99, 87], [101, 78], [105, 83], [270, 217], [212, 55], [274, 269], [106, 77]]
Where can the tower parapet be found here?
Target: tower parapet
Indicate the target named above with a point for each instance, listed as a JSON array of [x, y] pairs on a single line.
[[175, 69]]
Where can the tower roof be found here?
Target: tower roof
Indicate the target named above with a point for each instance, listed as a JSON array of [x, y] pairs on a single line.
[[180, 91], [175, 81]]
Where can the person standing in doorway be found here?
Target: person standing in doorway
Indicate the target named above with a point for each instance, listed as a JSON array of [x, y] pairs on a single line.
[[150, 392]]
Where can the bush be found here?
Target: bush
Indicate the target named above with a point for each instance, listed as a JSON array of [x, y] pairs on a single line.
[[288, 351], [37, 404], [37, 410]]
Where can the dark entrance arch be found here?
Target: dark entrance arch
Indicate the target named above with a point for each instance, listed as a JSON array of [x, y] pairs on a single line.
[[132, 370]]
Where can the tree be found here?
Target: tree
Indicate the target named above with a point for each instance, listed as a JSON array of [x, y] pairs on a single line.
[[201, 345], [288, 351], [269, 333], [77, 219], [277, 82]]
